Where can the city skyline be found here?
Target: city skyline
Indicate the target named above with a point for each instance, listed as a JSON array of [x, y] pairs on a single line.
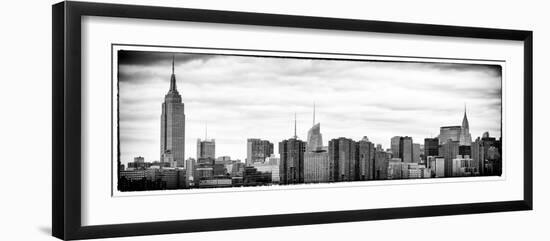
[[354, 110]]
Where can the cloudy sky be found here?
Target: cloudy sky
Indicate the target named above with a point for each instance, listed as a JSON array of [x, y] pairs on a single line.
[[244, 97]]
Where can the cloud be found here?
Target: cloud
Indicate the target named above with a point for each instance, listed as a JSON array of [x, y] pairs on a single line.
[[242, 97], [142, 58]]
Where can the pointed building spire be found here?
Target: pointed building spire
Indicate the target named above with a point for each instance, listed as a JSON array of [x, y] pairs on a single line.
[[205, 130], [173, 77], [295, 136], [313, 113], [465, 124], [465, 136]]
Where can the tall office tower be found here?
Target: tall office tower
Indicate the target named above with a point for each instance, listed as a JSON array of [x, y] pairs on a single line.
[[172, 124], [365, 152], [381, 159], [291, 163], [465, 138], [190, 166], [314, 136], [206, 149], [416, 152], [395, 146], [342, 163], [486, 151], [406, 149], [315, 157], [449, 151], [431, 147], [447, 133], [257, 150], [316, 166]]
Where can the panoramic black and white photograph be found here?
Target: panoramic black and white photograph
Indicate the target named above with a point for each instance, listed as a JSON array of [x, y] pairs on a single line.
[[192, 120]]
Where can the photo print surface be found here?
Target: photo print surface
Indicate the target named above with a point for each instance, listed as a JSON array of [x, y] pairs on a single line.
[[192, 120]]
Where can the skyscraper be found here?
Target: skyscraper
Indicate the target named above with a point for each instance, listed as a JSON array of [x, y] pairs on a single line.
[[402, 147], [365, 154], [257, 150], [315, 157], [465, 138], [314, 137], [343, 165], [416, 152], [431, 147], [486, 151], [206, 159], [206, 148], [406, 149], [395, 146], [456, 133], [447, 133], [172, 124], [291, 164], [381, 159], [449, 151], [190, 165]]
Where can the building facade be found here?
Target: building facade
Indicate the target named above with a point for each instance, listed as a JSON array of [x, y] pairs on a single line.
[[316, 166], [381, 159], [343, 165], [291, 164], [486, 151], [449, 133], [190, 166], [206, 148], [416, 152], [449, 151], [257, 150], [365, 155], [431, 147], [437, 166], [394, 142], [465, 166], [406, 149]]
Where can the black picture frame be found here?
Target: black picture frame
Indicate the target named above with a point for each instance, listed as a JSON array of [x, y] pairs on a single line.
[[66, 127]]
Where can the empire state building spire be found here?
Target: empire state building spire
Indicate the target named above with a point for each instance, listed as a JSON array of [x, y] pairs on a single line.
[[173, 96], [173, 77]]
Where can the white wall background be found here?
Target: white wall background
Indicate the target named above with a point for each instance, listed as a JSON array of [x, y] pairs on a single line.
[[25, 123]]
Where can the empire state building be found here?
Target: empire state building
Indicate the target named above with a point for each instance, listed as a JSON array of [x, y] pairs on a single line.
[[172, 125]]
